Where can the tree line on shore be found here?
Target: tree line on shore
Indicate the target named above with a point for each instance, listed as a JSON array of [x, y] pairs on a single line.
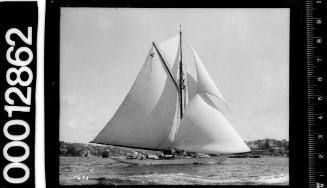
[[268, 147]]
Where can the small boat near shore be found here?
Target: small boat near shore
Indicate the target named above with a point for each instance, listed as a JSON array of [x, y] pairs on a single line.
[[167, 109]]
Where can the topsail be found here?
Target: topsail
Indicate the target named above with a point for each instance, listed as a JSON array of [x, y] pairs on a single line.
[[150, 115]]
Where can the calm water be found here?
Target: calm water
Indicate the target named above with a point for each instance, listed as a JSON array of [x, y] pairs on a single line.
[[234, 171]]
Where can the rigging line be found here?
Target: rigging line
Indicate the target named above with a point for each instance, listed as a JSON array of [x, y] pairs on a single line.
[[164, 62]]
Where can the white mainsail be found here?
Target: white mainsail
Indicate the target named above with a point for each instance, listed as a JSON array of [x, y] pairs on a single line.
[[149, 116], [150, 109], [170, 51]]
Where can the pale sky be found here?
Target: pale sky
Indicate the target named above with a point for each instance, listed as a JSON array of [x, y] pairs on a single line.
[[246, 52]]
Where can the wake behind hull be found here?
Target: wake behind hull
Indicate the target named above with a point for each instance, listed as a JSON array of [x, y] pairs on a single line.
[[211, 160]]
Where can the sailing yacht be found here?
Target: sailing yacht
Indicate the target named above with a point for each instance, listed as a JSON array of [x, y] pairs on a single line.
[[168, 109]]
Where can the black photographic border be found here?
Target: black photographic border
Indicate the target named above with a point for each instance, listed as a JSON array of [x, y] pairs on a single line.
[[298, 129], [19, 15]]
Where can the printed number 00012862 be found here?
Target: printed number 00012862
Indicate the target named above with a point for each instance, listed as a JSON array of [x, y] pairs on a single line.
[[14, 77]]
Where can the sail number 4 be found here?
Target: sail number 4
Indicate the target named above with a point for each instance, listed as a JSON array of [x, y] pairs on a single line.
[[18, 98]]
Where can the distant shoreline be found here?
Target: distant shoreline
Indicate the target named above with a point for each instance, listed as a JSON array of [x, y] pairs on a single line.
[[263, 148]]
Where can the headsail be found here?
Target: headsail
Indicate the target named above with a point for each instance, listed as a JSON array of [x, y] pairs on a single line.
[[206, 85], [149, 111], [204, 129], [191, 87]]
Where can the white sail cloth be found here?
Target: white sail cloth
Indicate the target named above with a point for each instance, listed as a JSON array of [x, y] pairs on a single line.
[[170, 51], [191, 87], [149, 111], [205, 84], [204, 129], [149, 116]]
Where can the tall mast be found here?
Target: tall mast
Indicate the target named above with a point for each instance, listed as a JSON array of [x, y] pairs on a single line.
[[181, 80]]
